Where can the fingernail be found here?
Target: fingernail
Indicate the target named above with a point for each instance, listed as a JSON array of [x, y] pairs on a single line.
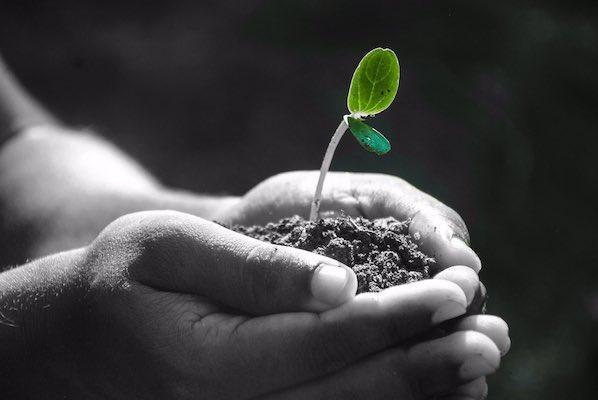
[[450, 309], [328, 283], [461, 254], [504, 349], [475, 367]]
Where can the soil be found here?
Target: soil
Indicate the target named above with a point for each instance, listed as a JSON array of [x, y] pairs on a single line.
[[380, 251]]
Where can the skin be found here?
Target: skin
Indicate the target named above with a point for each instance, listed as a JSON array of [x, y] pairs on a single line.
[[127, 303]]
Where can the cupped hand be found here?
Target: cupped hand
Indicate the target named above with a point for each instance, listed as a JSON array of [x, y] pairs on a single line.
[[440, 230], [179, 307]]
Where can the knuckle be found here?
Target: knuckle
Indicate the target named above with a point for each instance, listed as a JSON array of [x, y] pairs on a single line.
[[137, 227], [139, 245], [260, 274]]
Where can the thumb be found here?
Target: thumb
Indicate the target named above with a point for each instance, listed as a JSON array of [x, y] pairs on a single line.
[[196, 256]]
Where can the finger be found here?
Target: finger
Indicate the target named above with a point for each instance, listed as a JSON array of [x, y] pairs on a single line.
[[464, 277], [441, 231], [465, 356], [492, 326], [469, 281], [427, 369], [439, 238], [381, 195], [309, 346], [474, 390], [183, 253]]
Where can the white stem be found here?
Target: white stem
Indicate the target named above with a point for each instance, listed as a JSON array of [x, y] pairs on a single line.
[[315, 204]]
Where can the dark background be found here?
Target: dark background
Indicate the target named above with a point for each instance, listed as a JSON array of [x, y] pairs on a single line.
[[496, 115]]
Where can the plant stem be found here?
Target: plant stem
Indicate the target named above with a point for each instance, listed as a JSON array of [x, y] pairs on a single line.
[[338, 134]]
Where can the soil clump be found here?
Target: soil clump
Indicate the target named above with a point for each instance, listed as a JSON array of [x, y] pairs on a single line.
[[381, 251]]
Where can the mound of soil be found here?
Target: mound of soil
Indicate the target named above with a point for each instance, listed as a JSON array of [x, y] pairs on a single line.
[[380, 251]]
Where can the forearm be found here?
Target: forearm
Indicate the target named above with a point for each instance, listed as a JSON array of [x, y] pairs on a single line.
[[17, 108], [60, 188]]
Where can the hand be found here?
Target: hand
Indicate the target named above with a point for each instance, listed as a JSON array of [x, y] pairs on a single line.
[[441, 230], [178, 307]]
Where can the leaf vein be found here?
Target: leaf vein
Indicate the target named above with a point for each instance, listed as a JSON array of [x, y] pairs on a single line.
[[373, 81]]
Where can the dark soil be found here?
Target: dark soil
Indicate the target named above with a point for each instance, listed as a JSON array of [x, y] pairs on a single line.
[[380, 251]]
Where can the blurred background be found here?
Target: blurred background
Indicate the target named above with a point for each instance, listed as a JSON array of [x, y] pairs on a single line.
[[496, 115]]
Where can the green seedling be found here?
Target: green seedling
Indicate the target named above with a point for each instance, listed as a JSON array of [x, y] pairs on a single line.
[[373, 88]]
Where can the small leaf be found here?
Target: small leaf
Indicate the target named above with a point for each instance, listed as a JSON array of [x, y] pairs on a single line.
[[375, 83], [369, 138]]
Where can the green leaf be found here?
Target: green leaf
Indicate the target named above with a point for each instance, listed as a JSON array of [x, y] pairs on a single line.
[[375, 83], [369, 138]]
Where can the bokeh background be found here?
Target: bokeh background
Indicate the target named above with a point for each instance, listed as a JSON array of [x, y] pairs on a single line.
[[497, 115]]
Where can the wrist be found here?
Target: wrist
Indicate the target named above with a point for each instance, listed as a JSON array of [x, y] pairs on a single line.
[[205, 206], [41, 302]]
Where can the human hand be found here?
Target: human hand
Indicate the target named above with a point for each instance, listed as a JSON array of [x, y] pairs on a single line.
[[441, 230], [179, 307]]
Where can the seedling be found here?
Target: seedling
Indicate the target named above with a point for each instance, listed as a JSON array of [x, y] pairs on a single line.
[[373, 88]]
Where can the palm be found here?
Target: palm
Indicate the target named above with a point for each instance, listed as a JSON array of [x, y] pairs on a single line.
[[277, 352]]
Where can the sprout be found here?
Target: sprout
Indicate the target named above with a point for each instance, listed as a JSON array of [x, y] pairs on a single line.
[[373, 88]]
